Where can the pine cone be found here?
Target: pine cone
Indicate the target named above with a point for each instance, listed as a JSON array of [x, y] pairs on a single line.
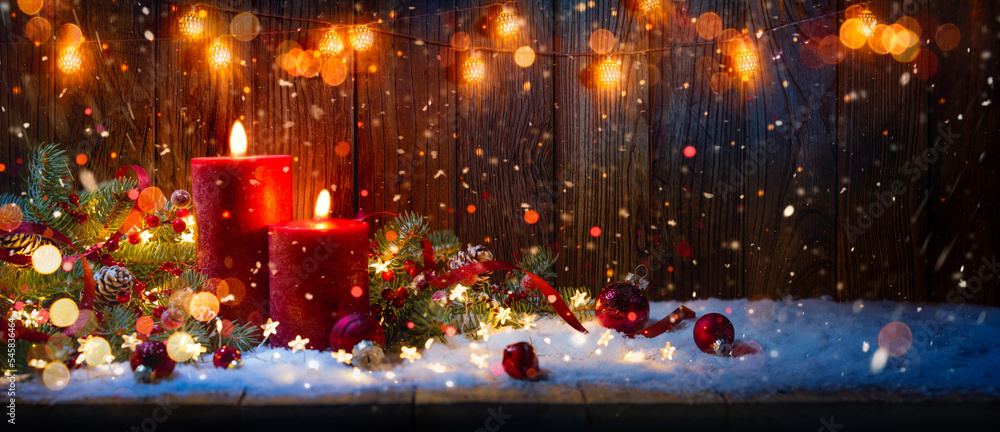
[[472, 255], [23, 243], [111, 281]]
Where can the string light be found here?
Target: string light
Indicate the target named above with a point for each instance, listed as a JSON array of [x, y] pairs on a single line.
[[330, 44], [746, 63], [609, 73], [70, 61], [473, 70], [219, 55], [506, 24], [868, 22], [648, 5], [191, 24], [362, 38]]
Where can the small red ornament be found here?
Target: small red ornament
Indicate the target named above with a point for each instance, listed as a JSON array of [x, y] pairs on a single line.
[[354, 328], [179, 225], [528, 284], [153, 355], [123, 297], [388, 275], [183, 213], [714, 334], [398, 302], [111, 245], [134, 238], [623, 306], [159, 310], [227, 357], [387, 294], [152, 220], [520, 362], [402, 293]]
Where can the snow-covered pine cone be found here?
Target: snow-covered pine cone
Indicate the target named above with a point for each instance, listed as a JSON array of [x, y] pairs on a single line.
[[111, 281], [23, 243], [472, 255]]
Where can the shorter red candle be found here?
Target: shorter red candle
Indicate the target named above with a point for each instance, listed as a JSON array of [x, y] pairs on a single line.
[[318, 273]]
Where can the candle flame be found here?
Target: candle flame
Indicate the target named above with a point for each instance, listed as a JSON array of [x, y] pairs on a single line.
[[323, 204], [238, 139]]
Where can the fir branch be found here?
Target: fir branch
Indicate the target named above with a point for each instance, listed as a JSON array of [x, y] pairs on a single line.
[[119, 321]]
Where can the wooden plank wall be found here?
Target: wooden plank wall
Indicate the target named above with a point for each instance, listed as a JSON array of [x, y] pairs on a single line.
[[791, 190]]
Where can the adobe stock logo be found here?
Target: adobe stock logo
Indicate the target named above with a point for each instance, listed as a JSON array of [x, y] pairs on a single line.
[[494, 421]]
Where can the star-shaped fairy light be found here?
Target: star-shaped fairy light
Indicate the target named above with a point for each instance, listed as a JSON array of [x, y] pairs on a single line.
[[605, 338], [343, 356], [485, 329], [298, 344], [458, 293], [579, 299], [503, 314], [83, 348], [196, 349], [270, 328], [131, 341], [668, 352], [479, 360], [409, 353], [528, 321], [381, 266]]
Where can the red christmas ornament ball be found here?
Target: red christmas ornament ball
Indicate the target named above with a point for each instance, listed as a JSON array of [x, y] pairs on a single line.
[[354, 328], [622, 307], [714, 334], [520, 362], [152, 221], [134, 238], [388, 275], [179, 225], [153, 355], [227, 357]]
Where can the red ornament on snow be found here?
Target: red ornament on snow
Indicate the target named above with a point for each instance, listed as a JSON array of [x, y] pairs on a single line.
[[354, 328], [623, 306], [227, 357], [714, 334], [520, 362], [153, 355]]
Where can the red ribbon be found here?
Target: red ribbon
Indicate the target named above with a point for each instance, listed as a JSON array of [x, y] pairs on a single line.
[[470, 271], [664, 325]]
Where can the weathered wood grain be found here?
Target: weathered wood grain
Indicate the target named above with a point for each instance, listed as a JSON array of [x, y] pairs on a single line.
[[790, 209], [304, 116], [505, 145], [881, 206], [406, 114], [696, 203], [27, 87], [602, 154], [964, 204]]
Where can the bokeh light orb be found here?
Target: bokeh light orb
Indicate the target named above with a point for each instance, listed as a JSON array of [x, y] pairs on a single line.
[[46, 259], [204, 306], [602, 41], [524, 56], [96, 351], [11, 217], [895, 338], [30, 7], [63, 312], [55, 376], [244, 27], [178, 347]]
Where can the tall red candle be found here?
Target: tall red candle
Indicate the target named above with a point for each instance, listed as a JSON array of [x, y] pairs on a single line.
[[319, 273], [235, 199]]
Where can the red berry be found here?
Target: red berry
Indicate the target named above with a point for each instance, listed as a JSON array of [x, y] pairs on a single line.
[[376, 309], [387, 294], [124, 297], [74, 199], [398, 302], [183, 213], [408, 263], [167, 266], [177, 271], [157, 329], [152, 298], [179, 225], [134, 238], [402, 293], [107, 260], [111, 245], [139, 287], [388, 275], [159, 310], [152, 220]]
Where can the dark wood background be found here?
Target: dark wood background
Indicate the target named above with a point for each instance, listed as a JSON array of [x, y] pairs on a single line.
[[828, 141]]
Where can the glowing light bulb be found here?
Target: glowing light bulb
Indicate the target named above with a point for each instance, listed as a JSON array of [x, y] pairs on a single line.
[[506, 24], [323, 205], [191, 25], [238, 139], [70, 61], [746, 63], [609, 73], [474, 70], [647, 5], [868, 22], [362, 38], [330, 44], [219, 55]]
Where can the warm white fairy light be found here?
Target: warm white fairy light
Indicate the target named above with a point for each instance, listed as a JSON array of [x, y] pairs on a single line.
[[506, 24], [503, 314], [479, 360], [381, 266], [628, 356], [427, 345], [528, 321], [270, 328], [605, 338], [299, 344], [667, 352], [474, 70], [362, 38], [409, 353], [485, 329], [145, 236], [196, 349], [131, 341], [579, 299], [343, 356], [191, 24], [746, 63], [609, 73], [458, 293], [330, 44], [868, 22], [219, 55], [70, 60], [437, 367], [648, 5]]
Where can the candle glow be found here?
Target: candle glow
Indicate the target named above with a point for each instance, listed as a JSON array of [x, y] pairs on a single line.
[[323, 205], [238, 139]]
